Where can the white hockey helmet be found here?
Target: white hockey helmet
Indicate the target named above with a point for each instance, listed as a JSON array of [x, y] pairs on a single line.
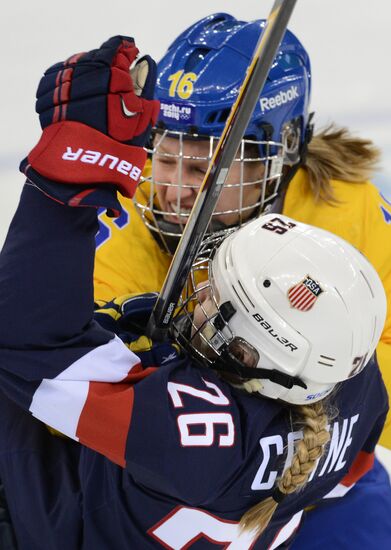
[[303, 306]]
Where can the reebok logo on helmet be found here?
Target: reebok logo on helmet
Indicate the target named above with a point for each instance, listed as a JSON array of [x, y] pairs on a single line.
[[268, 103]]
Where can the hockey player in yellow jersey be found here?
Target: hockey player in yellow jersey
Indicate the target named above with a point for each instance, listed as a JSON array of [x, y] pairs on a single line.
[[318, 177]]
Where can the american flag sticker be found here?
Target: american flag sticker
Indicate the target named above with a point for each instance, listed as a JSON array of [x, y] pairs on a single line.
[[303, 295]]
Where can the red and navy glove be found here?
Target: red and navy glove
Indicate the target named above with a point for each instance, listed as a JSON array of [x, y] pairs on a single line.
[[96, 111]]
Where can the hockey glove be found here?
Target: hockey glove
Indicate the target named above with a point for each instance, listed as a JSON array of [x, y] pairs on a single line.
[[127, 317], [96, 111]]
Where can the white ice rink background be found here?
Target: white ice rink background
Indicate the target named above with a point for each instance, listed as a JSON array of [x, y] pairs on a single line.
[[348, 42]]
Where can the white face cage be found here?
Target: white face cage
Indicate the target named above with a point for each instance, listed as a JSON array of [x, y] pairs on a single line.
[[248, 191]]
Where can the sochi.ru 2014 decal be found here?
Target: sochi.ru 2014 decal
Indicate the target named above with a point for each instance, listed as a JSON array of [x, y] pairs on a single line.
[[303, 295]]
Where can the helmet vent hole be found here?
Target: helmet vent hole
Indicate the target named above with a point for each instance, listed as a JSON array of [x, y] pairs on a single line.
[[195, 58], [341, 297], [226, 25], [326, 361], [214, 22], [374, 330], [217, 116], [240, 298], [267, 283], [212, 117], [223, 115], [250, 303], [369, 286]]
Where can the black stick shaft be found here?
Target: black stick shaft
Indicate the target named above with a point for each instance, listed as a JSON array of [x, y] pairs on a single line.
[[221, 161]]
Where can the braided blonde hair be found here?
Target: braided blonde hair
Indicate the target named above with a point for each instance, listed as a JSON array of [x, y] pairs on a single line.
[[308, 450], [334, 153]]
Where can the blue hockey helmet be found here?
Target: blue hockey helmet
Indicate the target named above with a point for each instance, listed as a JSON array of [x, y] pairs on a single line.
[[198, 81], [200, 75]]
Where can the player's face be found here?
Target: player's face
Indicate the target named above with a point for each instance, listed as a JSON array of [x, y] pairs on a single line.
[[183, 174], [204, 311]]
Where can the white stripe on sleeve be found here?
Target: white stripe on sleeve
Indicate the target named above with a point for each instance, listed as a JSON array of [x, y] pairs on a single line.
[[60, 401]]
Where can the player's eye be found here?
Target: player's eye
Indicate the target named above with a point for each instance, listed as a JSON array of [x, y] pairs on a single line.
[[200, 171], [244, 351], [166, 161]]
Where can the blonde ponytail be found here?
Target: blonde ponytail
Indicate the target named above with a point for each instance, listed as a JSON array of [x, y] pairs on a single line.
[[334, 153], [308, 451]]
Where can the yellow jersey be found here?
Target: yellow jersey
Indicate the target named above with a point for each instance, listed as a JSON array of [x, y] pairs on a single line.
[[129, 260]]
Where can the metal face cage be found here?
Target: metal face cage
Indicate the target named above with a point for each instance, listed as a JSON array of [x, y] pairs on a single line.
[[247, 196], [203, 340], [201, 323]]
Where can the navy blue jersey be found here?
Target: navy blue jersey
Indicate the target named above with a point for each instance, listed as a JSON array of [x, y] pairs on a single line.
[[172, 456]]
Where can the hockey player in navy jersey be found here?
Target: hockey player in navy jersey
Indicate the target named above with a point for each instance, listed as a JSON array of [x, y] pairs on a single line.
[[276, 403]]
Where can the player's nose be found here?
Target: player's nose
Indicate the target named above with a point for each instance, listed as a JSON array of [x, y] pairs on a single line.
[[181, 186], [184, 192]]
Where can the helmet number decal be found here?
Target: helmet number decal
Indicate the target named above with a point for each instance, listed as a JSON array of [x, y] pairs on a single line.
[[279, 226], [182, 84]]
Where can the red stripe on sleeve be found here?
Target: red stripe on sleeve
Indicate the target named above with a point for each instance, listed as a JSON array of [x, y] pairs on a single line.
[[105, 419], [106, 416], [361, 465], [138, 373], [77, 199]]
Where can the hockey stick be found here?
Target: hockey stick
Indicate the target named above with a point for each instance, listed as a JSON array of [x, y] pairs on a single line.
[[220, 163]]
